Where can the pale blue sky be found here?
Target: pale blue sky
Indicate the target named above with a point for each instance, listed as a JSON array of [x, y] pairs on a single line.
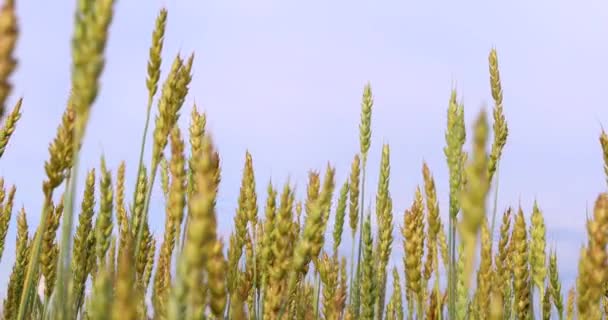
[[284, 80]]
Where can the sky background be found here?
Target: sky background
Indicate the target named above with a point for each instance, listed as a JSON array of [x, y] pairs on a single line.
[[284, 80]]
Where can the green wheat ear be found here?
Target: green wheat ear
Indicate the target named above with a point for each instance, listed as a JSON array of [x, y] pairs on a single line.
[[365, 130], [500, 128], [9, 126], [538, 256]]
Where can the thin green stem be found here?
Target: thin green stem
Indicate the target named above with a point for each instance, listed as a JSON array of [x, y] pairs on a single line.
[[228, 307], [317, 293], [32, 267], [361, 211], [64, 265], [438, 312], [45, 307], [494, 211], [36, 303], [257, 301], [184, 234], [261, 299], [255, 275], [150, 184], [352, 267], [144, 214], [49, 313], [141, 153], [451, 269]]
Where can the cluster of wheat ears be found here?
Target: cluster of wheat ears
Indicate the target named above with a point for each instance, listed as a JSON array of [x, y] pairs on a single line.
[[276, 264]]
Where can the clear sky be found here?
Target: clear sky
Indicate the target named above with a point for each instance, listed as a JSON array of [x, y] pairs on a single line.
[[284, 79]]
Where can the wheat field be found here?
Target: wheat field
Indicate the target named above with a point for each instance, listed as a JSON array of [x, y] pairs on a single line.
[[98, 259]]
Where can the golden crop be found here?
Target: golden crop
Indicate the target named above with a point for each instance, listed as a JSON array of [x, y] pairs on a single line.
[[105, 263]]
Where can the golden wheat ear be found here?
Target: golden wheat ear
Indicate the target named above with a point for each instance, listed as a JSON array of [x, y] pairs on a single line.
[[9, 126], [9, 32]]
